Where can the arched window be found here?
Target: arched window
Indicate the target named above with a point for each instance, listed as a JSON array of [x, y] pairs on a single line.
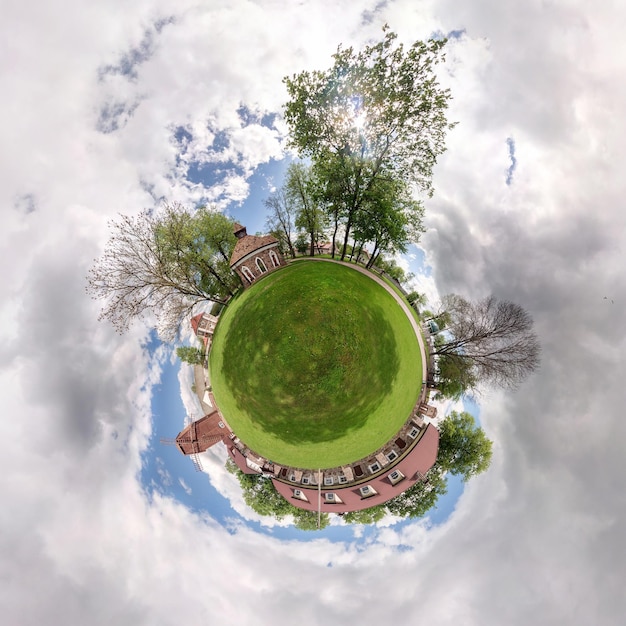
[[274, 258], [247, 273], [259, 263]]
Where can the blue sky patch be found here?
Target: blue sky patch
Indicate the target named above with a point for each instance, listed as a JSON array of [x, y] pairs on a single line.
[[510, 142], [137, 55]]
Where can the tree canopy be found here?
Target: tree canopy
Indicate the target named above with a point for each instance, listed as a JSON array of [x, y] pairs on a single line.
[[190, 354], [417, 500], [301, 188], [261, 496], [381, 107], [487, 342], [295, 213], [463, 447], [163, 263], [373, 126], [280, 220]]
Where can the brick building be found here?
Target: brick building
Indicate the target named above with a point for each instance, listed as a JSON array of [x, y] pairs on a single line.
[[254, 256], [203, 326]]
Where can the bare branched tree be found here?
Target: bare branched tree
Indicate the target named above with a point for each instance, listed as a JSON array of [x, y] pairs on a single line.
[[492, 341], [163, 263], [280, 220]]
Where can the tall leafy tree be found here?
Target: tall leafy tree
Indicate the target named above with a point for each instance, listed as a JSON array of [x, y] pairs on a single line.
[[308, 520], [464, 449], [378, 113], [389, 219], [261, 496], [301, 188], [162, 264], [190, 354], [455, 377]]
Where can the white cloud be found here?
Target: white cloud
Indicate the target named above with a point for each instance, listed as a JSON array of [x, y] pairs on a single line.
[[185, 486], [537, 539]]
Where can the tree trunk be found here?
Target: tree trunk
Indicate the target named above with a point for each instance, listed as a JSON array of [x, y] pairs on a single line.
[[345, 239], [358, 256], [373, 258], [289, 244], [335, 232], [220, 280], [221, 251]]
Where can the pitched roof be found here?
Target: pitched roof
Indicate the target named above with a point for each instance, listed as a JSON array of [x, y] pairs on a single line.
[[195, 321], [202, 434], [249, 244], [237, 228], [415, 464]]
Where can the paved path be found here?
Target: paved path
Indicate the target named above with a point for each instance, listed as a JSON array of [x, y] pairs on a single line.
[[401, 302]]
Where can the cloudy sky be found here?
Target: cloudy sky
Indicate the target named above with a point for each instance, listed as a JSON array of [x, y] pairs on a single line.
[[111, 107]]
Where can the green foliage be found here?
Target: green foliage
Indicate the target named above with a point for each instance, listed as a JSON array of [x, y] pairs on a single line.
[[416, 299], [307, 520], [420, 498], [389, 218], [463, 447], [261, 496], [163, 263], [373, 126], [455, 377], [190, 354], [382, 105], [216, 308], [301, 243], [301, 189], [207, 246], [392, 269], [366, 516]]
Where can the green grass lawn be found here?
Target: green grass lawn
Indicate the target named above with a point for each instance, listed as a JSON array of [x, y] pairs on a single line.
[[315, 366]]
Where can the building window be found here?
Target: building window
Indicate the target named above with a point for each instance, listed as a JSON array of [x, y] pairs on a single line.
[[292, 478], [413, 432], [374, 467], [248, 275], [395, 477], [329, 480], [367, 491], [333, 498], [305, 480], [261, 265], [297, 493], [274, 258], [343, 479], [393, 455]]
